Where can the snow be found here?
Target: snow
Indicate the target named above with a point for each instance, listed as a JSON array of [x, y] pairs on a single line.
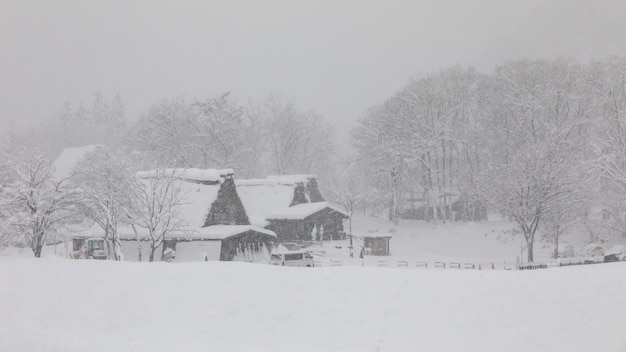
[[197, 202], [211, 175], [62, 305], [297, 178], [617, 249], [270, 181], [64, 165], [262, 197], [198, 251], [224, 231], [301, 211], [371, 235]]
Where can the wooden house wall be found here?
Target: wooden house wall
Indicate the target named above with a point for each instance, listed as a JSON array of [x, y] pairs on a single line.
[[249, 239], [379, 245], [301, 230]]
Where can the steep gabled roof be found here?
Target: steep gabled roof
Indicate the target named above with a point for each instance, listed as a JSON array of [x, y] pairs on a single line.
[[261, 197], [222, 232], [199, 187], [292, 197], [68, 159], [302, 211]]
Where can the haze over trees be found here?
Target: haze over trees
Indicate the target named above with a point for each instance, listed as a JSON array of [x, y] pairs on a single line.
[[33, 203], [534, 141], [539, 141]]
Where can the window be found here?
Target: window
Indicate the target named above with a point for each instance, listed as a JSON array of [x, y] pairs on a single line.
[[96, 245], [297, 256]]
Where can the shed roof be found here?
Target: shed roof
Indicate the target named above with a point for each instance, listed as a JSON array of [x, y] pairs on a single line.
[[225, 231], [302, 211]]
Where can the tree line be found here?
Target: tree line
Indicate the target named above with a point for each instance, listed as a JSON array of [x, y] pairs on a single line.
[[271, 136], [540, 141], [36, 207]]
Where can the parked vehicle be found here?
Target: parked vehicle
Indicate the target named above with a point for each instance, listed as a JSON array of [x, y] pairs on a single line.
[[615, 254], [88, 248], [300, 258]]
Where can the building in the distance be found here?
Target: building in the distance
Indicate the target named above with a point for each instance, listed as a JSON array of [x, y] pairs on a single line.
[[292, 207]]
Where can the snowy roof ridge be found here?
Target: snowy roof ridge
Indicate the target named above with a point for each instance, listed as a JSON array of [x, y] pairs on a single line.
[[303, 210], [226, 231], [264, 182], [297, 178], [214, 232], [276, 180], [192, 174]]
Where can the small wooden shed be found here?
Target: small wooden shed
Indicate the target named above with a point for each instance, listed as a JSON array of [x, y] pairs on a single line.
[[374, 243]]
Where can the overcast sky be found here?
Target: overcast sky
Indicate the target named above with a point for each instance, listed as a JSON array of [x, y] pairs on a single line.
[[336, 57]]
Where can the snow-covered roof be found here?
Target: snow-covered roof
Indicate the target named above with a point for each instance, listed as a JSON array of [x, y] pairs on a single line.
[[225, 231], [616, 249], [280, 249], [66, 162], [293, 178], [211, 175], [197, 201], [197, 198], [263, 197], [302, 211], [215, 232], [266, 182]]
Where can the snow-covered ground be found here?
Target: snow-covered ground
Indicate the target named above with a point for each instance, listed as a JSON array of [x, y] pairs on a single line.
[[480, 243], [53, 304]]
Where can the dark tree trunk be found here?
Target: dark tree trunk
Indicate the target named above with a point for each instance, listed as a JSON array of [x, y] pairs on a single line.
[[152, 250], [37, 250]]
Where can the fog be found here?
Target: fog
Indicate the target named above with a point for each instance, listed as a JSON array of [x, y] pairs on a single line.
[[338, 58]]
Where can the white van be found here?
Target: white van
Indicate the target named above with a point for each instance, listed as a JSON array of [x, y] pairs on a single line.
[[303, 259]]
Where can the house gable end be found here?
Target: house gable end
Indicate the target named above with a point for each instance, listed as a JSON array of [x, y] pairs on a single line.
[[227, 208]]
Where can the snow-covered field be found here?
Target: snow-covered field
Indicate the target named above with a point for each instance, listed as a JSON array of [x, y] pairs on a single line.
[[61, 305], [480, 243]]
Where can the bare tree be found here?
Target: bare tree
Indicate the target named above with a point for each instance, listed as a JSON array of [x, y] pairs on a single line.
[[422, 139], [159, 195], [299, 142], [536, 108], [219, 132], [164, 133], [34, 202], [609, 141], [107, 183], [350, 191], [381, 155]]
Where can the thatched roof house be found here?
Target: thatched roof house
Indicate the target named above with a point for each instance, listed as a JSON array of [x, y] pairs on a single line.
[[292, 207], [214, 224]]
